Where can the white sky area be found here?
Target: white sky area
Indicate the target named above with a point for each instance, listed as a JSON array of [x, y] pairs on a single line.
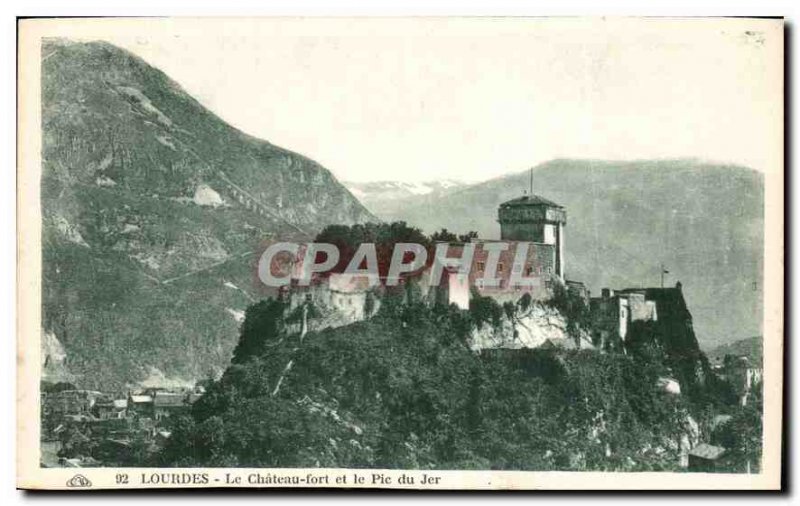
[[471, 99]]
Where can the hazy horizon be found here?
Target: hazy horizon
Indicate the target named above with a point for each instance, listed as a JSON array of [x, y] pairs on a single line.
[[551, 160]]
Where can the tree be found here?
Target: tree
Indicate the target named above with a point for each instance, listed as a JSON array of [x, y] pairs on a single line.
[[742, 437], [570, 304], [59, 386], [468, 237], [484, 309], [444, 235], [263, 323], [347, 239]]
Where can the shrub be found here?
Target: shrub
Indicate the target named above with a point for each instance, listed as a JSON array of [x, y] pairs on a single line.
[[484, 310]]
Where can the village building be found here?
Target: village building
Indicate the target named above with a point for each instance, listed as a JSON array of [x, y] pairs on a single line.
[[744, 376], [197, 392], [109, 408], [70, 402], [113, 423], [166, 404], [140, 405]]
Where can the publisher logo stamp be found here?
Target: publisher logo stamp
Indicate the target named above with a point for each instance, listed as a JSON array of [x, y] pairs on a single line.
[[79, 481]]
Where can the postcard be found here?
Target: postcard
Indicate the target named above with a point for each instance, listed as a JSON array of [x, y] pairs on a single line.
[[400, 253]]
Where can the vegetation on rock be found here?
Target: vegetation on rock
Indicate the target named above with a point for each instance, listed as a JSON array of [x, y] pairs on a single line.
[[403, 390]]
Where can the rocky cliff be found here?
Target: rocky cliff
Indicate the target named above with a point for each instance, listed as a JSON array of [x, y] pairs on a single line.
[[537, 326]]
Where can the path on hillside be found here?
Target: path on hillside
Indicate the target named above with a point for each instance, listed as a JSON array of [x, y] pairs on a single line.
[[288, 367], [209, 267]]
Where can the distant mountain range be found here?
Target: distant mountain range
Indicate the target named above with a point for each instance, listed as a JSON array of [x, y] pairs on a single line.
[[378, 194], [703, 221], [153, 209]]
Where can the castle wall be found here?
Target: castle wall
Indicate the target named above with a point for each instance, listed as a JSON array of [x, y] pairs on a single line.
[[458, 290], [623, 316], [560, 252], [338, 307], [640, 308], [540, 266], [532, 213], [550, 232], [612, 314]]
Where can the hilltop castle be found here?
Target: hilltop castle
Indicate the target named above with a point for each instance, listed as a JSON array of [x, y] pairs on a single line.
[[532, 221]]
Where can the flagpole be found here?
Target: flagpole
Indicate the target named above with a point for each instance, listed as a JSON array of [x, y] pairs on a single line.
[[531, 194], [662, 275]]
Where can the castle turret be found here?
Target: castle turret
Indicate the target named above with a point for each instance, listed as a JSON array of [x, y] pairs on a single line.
[[534, 219]]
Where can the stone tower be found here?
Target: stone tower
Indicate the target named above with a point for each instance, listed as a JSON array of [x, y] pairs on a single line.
[[534, 219]]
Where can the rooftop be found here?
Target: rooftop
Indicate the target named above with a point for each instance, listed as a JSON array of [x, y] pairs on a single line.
[[164, 399], [530, 200]]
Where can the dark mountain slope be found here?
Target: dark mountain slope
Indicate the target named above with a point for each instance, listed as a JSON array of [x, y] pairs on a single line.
[[703, 221], [152, 209]]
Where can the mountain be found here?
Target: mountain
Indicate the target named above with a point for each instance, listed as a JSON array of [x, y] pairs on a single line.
[[153, 212], [380, 195], [703, 221], [750, 347]]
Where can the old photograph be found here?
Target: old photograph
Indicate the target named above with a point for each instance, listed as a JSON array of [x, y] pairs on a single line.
[[460, 253]]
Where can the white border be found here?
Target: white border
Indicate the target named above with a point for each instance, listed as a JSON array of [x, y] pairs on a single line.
[[300, 7]]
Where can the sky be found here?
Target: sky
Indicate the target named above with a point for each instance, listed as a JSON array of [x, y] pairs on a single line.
[[471, 99]]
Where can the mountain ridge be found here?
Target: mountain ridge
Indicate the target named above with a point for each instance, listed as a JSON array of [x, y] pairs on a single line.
[[151, 207], [373, 193]]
